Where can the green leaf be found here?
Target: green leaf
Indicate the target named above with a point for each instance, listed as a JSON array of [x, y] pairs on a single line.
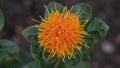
[[1, 20], [88, 46], [52, 6], [86, 57], [61, 65], [45, 56], [25, 56], [89, 40], [83, 10], [7, 49], [30, 32], [75, 60], [46, 65], [36, 52], [82, 64], [97, 28], [12, 63], [34, 64]]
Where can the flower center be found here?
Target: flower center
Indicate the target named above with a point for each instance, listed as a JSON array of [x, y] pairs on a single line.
[[61, 31]]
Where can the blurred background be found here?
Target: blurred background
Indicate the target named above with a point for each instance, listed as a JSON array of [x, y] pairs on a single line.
[[18, 15]]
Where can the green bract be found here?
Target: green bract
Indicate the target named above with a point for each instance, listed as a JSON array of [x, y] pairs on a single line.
[[95, 27], [52, 6], [83, 10]]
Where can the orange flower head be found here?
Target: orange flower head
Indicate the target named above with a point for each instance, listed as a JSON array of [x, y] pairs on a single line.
[[60, 34]]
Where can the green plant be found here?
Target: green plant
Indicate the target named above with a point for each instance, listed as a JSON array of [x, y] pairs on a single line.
[[96, 30]]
